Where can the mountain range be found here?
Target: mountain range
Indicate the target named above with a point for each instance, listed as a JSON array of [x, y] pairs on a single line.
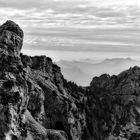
[[82, 71], [38, 103]]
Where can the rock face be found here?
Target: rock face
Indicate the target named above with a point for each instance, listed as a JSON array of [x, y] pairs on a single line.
[[113, 110], [59, 109], [13, 89], [37, 103], [34, 103]]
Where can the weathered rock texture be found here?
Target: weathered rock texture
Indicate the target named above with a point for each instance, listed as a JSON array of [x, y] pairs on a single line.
[[58, 107], [37, 103], [34, 104], [113, 110]]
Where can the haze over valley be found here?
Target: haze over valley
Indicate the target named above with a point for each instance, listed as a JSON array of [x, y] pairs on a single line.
[[72, 32]]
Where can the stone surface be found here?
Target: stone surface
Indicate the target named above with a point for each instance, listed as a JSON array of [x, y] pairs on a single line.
[[11, 39], [37, 103], [113, 106], [21, 97], [58, 107]]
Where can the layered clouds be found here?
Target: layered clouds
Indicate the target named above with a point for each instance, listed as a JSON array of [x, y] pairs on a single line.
[[64, 13], [79, 30], [76, 25]]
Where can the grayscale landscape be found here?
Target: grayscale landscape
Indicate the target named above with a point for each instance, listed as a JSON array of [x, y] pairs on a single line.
[[70, 70]]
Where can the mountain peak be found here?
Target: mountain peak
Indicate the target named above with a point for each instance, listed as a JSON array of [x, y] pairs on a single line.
[[11, 38], [13, 27]]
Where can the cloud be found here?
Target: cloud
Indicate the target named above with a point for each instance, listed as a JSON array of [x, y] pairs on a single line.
[[64, 13], [84, 40], [58, 24], [24, 4]]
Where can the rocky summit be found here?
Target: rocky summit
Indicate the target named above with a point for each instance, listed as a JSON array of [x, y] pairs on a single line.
[[37, 103]]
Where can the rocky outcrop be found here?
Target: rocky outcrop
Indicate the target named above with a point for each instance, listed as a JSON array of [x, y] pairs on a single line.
[[34, 103], [113, 110], [13, 89], [37, 103], [60, 108]]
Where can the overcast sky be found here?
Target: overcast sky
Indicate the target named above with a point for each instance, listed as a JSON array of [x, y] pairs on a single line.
[[60, 28]]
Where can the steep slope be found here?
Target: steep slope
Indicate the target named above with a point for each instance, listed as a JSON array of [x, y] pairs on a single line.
[[37, 103], [33, 100], [60, 108], [113, 110]]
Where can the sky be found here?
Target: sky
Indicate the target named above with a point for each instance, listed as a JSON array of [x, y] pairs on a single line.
[[77, 29]]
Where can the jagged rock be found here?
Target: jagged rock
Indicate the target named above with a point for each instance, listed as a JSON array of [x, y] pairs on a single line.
[[34, 102], [61, 111], [12, 27], [37, 103], [18, 92], [13, 87], [11, 38], [113, 106]]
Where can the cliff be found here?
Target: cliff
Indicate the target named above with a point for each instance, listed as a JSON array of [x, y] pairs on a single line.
[[34, 103], [113, 110], [37, 103]]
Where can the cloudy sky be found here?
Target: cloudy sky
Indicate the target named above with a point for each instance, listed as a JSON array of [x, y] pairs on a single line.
[[77, 29]]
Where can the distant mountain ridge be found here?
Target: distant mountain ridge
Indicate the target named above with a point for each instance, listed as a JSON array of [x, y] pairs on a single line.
[[82, 71]]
